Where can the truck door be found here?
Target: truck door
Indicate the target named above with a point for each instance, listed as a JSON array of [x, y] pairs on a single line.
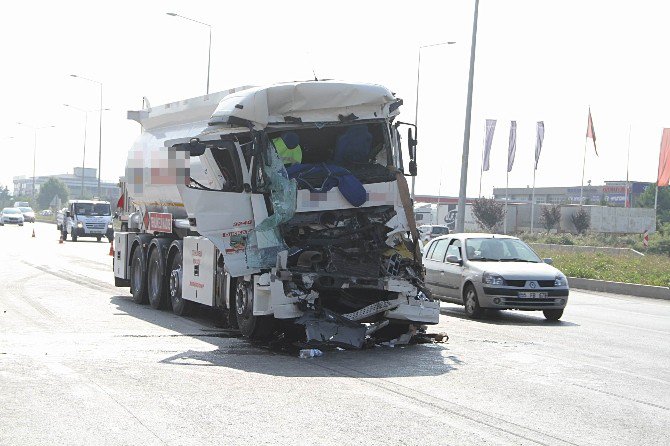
[[217, 195]]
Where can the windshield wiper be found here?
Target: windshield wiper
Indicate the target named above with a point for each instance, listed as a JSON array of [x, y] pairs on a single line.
[[484, 259], [516, 259]]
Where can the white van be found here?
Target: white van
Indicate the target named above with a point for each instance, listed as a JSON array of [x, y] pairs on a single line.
[[88, 218]]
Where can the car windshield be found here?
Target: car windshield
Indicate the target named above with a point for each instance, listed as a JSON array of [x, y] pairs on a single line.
[[499, 250], [26, 209], [92, 209], [10, 211]]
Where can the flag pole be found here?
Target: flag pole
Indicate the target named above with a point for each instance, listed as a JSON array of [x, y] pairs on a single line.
[[506, 200], [481, 169], [581, 189], [532, 202], [627, 202]]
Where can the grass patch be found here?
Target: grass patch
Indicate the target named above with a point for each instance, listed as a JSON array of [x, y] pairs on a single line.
[[648, 270]]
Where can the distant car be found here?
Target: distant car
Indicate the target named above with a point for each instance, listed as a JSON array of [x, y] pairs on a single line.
[[46, 213], [429, 232], [19, 204], [493, 271], [28, 214], [11, 216]]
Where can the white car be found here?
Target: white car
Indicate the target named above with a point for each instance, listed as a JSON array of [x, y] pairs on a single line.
[[493, 271], [429, 232], [11, 216], [28, 214]]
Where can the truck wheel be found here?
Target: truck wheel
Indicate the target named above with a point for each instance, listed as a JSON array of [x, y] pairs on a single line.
[[74, 237], [252, 327], [180, 307], [138, 277], [98, 238], [553, 315], [472, 308], [156, 280]]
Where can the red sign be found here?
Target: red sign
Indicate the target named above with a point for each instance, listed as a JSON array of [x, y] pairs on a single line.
[[160, 222]]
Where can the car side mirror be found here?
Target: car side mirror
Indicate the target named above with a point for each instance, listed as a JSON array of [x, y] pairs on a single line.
[[548, 261], [454, 259]]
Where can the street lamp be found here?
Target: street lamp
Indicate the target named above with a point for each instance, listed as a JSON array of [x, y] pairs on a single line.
[[460, 213], [100, 133], [209, 51], [416, 111], [83, 160], [35, 129]]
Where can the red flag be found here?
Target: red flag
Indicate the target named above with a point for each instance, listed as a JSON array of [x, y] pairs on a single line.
[[120, 203], [590, 132], [663, 178]]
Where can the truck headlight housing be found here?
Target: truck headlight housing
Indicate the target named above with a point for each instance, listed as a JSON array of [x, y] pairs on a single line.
[[109, 226], [560, 280], [492, 279]]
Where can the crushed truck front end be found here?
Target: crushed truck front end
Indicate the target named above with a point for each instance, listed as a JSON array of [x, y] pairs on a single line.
[[326, 241]]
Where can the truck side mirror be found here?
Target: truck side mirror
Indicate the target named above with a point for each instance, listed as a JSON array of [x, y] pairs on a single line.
[[411, 147], [67, 214], [196, 148]]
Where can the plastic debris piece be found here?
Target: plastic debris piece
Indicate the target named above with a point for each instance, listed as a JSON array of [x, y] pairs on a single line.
[[310, 353]]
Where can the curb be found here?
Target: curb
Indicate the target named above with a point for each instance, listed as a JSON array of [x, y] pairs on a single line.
[[633, 289]]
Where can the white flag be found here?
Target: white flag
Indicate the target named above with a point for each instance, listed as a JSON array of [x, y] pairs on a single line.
[[488, 139], [512, 146], [538, 141]]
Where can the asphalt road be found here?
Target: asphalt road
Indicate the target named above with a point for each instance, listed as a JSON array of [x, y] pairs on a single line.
[[81, 364]]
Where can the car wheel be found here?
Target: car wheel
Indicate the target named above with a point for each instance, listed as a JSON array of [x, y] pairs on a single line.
[[471, 302], [553, 315], [138, 277]]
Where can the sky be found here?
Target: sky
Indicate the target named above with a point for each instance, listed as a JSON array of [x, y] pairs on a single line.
[[536, 60]]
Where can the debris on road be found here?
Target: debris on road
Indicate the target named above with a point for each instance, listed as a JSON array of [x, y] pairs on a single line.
[[310, 353]]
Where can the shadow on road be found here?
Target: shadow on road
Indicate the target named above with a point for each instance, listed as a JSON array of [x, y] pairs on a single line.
[[234, 352], [508, 317]]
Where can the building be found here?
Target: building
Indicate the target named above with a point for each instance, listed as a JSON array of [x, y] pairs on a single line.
[[23, 186], [612, 193]]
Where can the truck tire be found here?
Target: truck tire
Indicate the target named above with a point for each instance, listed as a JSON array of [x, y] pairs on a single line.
[[138, 277], [74, 237], [156, 280], [180, 307], [251, 327], [99, 238], [472, 308]]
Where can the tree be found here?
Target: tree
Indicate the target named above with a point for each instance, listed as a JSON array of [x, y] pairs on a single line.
[[5, 197], [49, 190], [550, 217], [488, 213], [646, 200], [582, 220]]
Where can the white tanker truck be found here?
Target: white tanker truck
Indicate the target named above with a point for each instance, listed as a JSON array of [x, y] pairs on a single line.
[[328, 244]]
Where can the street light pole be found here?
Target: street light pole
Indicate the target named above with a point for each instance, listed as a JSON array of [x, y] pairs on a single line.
[[460, 213], [100, 132], [35, 129], [83, 161], [209, 51], [416, 110]]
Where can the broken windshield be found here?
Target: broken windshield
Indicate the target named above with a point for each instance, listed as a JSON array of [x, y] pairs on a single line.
[[364, 149]]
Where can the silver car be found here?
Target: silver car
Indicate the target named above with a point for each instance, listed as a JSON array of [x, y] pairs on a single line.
[[493, 271], [11, 216]]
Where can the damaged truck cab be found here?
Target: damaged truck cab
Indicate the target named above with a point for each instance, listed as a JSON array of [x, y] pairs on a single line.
[[282, 206]]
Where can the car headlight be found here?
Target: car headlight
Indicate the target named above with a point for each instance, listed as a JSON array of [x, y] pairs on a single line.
[[492, 279], [560, 280], [80, 225]]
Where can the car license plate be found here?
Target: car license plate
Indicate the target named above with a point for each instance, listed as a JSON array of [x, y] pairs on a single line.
[[533, 295]]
